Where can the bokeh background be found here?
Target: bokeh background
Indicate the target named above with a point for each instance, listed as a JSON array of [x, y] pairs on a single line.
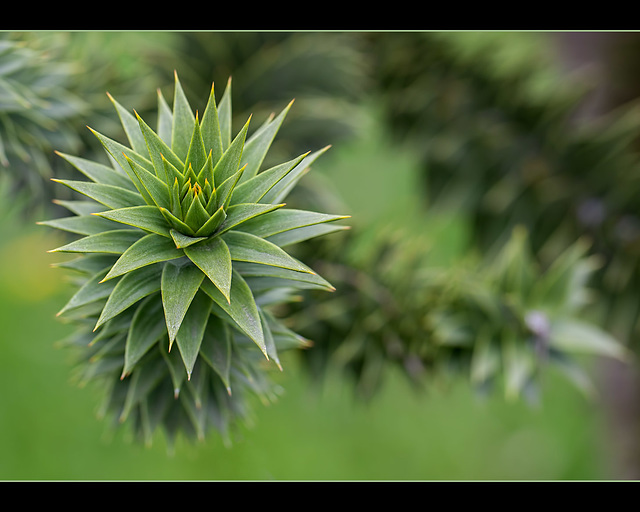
[[457, 136]]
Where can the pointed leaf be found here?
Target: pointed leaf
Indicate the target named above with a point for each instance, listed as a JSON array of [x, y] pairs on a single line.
[[210, 128], [211, 225], [81, 224], [172, 173], [176, 223], [176, 207], [283, 336], [207, 189], [240, 213], [286, 219], [280, 277], [108, 195], [294, 236], [158, 150], [120, 153], [254, 189], [131, 128], [197, 155], [190, 175], [88, 263], [225, 116], [187, 198], [269, 341], [147, 217], [112, 242], [165, 119], [229, 163], [196, 215], [102, 367], [81, 207], [149, 249], [179, 286], [91, 291], [206, 173], [279, 192], [98, 172], [189, 337], [242, 308], [259, 143], [224, 191], [213, 258], [199, 388], [155, 187], [183, 120], [145, 331], [133, 287], [110, 348], [115, 326], [183, 241], [253, 249]]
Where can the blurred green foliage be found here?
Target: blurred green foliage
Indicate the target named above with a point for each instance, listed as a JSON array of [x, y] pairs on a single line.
[[496, 124], [413, 295], [38, 110]]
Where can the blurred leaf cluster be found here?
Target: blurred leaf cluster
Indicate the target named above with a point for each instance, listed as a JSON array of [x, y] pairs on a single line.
[[498, 324], [498, 127], [38, 110]]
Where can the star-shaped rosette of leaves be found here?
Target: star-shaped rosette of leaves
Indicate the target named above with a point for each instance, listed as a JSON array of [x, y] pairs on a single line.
[[185, 221]]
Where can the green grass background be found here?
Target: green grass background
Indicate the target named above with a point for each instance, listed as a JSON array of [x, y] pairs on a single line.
[[48, 428]]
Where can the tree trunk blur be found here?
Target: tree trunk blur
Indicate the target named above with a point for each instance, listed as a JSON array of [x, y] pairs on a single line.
[[610, 62]]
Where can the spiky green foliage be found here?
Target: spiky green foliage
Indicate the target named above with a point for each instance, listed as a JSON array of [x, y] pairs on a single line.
[[181, 245], [495, 324]]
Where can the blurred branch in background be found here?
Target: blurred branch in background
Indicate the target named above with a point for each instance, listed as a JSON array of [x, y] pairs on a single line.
[[38, 112], [508, 136], [498, 324], [500, 141]]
